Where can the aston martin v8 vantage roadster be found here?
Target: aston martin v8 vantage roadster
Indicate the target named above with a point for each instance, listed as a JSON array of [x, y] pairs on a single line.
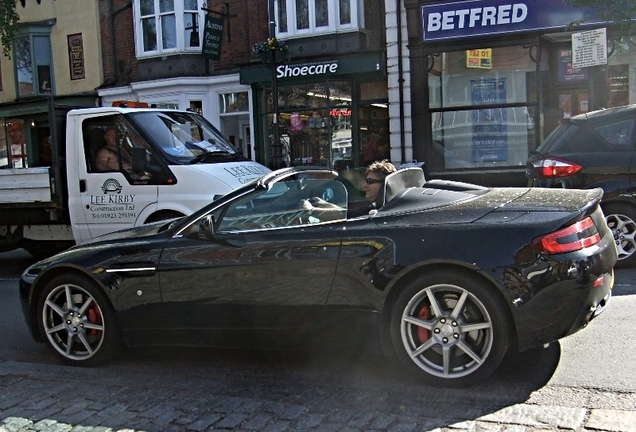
[[445, 276]]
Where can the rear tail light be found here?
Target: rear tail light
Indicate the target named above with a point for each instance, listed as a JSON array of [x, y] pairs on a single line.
[[554, 167], [575, 237]]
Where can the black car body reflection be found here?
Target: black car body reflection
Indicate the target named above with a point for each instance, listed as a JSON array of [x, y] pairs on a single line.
[[447, 275]]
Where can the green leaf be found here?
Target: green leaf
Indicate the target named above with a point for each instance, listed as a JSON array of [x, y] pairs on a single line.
[[8, 24]]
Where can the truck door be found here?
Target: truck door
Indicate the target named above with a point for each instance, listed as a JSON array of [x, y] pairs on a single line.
[[117, 185]]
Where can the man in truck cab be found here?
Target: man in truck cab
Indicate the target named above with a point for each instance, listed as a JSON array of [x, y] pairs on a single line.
[[107, 157]]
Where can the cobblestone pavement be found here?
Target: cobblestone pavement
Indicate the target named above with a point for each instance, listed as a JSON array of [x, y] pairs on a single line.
[[207, 390]]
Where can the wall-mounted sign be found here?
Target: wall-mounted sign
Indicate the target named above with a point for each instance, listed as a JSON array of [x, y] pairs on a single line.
[[307, 69], [212, 37], [469, 18], [479, 58], [589, 48], [76, 56], [566, 72]]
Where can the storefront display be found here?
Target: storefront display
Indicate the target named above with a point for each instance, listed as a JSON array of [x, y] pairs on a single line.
[[323, 113], [499, 79]]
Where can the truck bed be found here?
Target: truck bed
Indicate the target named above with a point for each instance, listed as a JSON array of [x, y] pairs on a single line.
[[25, 185]]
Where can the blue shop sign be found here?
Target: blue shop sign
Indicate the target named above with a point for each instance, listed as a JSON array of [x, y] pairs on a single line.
[[460, 19]]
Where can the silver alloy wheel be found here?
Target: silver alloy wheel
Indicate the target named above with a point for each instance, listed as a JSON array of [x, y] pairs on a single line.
[[73, 322], [447, 331], [624, 232]]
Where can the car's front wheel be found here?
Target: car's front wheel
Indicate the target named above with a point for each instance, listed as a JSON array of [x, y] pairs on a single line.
[[621, 219], [449, 328], [78, 321]]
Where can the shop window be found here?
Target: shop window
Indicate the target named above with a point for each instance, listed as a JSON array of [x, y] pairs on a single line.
[[17, 145], [33, 62], [4, 152], [309, 17], [373, 121], [315, 125], [196, 106], [483, 104], [168, 26], [233, 103]]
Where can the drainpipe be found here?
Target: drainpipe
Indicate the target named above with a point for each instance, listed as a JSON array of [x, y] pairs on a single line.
[[398, 9], [113, 14]]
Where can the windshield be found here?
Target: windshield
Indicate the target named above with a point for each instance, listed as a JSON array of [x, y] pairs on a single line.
[[191, 138]]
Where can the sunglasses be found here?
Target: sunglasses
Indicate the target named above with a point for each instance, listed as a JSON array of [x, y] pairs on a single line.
[[370, 181]]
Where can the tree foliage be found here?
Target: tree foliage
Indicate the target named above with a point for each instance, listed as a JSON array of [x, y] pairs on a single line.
[[8, 23], [622, 13]]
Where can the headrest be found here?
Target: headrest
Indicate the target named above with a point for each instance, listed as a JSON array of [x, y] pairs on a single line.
[[401, 180]]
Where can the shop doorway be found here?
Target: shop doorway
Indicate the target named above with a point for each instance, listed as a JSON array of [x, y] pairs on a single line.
[[573, 102]]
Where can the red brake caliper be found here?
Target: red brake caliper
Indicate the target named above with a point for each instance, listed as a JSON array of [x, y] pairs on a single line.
[[95, 318], [422, 333]]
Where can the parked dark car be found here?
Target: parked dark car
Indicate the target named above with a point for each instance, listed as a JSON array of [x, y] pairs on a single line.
[[447, 276], [595, 150]]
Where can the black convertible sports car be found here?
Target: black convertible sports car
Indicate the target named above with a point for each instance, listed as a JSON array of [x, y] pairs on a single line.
[[448, 276]]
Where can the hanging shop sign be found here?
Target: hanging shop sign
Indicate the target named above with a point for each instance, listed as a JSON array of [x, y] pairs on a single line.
[[589, 48], [212, 36], [459, 19]]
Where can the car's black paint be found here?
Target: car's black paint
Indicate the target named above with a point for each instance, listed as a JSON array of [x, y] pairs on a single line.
[[175, 283]]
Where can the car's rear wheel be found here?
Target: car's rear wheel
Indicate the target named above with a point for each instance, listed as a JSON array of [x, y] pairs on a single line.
[[78, 321], [450, 329], [621, 219]]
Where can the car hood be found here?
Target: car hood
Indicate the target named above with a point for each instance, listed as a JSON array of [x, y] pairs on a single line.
[[140, 234]]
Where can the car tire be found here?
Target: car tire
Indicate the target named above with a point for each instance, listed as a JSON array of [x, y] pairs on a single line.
[[621, 219], [84, 333], [449, 329]]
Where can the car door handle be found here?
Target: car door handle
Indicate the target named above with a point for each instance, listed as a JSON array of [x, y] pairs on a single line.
[[82, 186]]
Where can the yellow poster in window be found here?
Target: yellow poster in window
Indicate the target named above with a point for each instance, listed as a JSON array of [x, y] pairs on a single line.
[[479, 58]]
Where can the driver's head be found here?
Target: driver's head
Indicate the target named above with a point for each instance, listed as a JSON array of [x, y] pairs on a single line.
[[374, 178], [111, 137]]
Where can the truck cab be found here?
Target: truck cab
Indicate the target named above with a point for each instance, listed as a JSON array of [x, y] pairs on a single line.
[[163, 164]]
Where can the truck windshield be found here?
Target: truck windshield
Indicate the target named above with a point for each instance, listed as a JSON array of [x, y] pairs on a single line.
[[191, 138]]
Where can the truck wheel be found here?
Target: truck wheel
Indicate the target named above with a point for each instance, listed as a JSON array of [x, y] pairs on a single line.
[[621, 219], [449, 329], [77, 321]]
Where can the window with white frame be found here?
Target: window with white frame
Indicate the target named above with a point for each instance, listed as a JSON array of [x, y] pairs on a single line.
[[309, 17], [168, 26]]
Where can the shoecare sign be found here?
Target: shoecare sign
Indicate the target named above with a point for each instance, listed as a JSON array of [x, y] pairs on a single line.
[[306, 69]]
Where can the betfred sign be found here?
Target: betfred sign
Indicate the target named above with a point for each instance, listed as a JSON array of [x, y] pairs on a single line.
[[487, 17]]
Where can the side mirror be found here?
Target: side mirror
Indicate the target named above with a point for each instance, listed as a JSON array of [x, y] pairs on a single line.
[[206, 226]]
